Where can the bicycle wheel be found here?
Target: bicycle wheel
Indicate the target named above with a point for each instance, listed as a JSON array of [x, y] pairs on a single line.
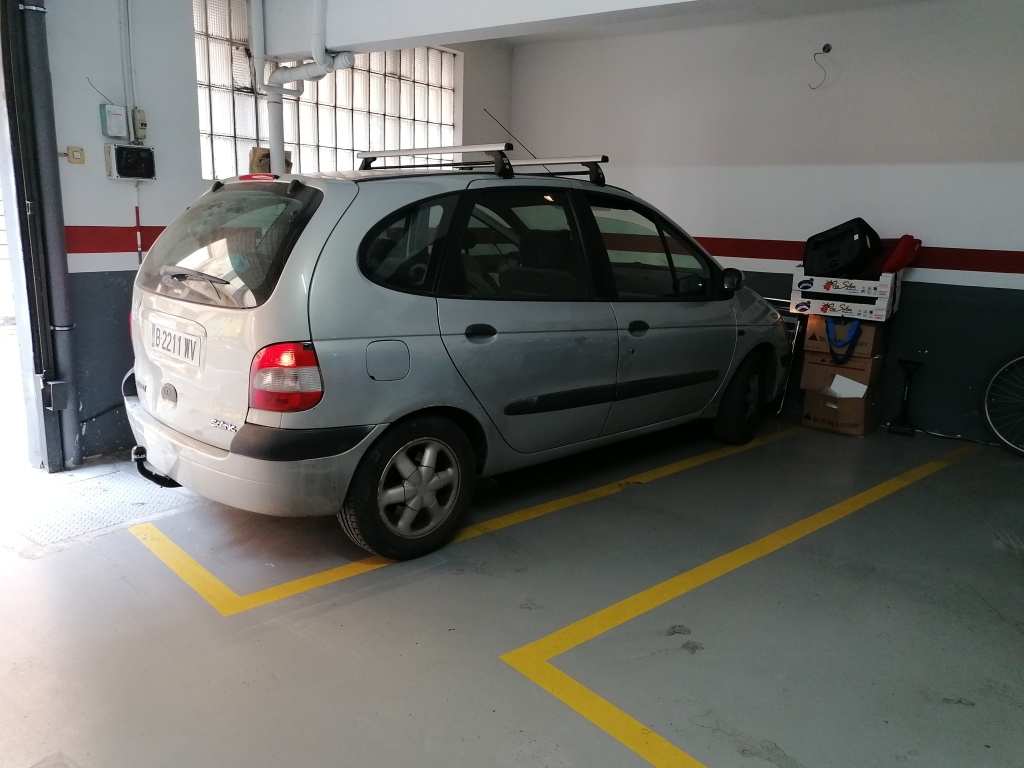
[[1004, 405]]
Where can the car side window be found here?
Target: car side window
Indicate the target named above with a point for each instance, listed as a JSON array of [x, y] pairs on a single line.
[[693, 276], [518, 244], [405, 249], [647, 261]]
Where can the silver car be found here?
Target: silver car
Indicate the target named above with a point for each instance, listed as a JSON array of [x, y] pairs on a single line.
[[366, 345]]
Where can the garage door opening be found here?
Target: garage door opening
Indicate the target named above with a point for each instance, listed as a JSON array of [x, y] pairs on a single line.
[[14, 436]]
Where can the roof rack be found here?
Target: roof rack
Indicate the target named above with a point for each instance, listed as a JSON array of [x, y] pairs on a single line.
[[502, 166], [499, 161], [592, 164]]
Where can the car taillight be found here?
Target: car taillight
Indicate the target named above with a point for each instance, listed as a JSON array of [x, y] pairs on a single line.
[[285, 377]]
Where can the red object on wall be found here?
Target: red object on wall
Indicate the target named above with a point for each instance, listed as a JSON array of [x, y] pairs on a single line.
[[907, 249]]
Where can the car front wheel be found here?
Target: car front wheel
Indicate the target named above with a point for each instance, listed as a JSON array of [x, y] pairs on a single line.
[[740, 410], [410, 489]]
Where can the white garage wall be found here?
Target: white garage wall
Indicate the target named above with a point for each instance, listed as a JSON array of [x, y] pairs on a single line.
[[486, 84], [84, 42], [917, 127]]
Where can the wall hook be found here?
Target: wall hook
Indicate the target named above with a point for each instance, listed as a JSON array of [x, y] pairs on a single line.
[[826, 48]]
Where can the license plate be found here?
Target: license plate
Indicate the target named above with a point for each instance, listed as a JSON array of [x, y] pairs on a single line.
[[180, 346]]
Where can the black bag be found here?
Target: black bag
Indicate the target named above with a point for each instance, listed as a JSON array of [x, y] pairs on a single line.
[[843, 251]]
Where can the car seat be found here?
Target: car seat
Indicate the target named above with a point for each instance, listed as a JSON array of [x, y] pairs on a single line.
[[542, 271]]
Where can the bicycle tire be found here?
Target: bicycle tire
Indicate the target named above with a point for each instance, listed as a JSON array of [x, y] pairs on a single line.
[[1003, 404]]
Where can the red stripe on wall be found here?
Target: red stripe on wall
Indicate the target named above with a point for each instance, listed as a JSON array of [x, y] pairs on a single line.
[[733, 247], [967, 259], [973, 260], [108, 239], [122, 240]]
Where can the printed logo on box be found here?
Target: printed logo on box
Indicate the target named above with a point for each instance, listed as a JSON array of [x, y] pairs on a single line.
[[805, 285], [803, 306]]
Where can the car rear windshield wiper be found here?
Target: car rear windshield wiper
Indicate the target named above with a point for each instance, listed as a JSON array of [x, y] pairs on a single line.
[[180, 273]]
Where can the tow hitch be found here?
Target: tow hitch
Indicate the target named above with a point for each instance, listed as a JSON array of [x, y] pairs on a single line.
[[139, 457]]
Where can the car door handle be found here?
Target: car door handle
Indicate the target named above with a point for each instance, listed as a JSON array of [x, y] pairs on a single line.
[[480, 332], [638, 328]]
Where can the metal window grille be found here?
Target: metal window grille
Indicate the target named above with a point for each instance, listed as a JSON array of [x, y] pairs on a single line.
[[388, 100]]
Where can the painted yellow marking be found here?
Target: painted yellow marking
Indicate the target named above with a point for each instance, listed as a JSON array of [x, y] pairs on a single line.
[[228, 603], [490, 526], [223, 598], [533, 660]]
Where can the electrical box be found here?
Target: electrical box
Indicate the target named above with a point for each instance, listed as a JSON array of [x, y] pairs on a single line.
[[114, 121], [129, 161], [139, 124]]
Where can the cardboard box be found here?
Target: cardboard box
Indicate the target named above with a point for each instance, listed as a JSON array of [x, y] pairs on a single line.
[[869, 344], [857, 416], [819, 370], [878, 310], [859, 299], [886, 285]]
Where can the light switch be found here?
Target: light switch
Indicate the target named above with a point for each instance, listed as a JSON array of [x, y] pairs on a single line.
[[76, 155]]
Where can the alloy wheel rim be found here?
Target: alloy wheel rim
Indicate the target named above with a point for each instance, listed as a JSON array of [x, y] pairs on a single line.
[[418, 488]]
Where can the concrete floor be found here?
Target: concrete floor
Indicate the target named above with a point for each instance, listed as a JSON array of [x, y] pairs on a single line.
[[893, 636]]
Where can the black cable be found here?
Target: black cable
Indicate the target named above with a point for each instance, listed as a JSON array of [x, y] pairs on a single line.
[[950, 437], [102, 413], [506, 130], [826, 48], [98, 90]]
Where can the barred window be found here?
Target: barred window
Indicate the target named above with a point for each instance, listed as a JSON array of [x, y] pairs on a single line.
[[388, 100]]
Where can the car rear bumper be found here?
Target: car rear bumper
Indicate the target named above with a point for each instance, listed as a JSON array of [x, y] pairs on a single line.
[[302, 488]]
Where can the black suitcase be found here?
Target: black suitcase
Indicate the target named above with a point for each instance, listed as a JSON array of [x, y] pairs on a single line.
[[843, 251]]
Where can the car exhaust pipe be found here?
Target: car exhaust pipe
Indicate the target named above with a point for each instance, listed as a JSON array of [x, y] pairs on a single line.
[[139, 457]]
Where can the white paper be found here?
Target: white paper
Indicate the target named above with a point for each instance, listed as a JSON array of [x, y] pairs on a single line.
[[844, 387]]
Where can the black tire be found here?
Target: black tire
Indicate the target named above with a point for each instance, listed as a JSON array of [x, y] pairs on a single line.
[[422, 511], [739, 413], [1002, 405]]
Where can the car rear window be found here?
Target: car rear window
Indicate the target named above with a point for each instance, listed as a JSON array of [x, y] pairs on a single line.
[[229, 248]]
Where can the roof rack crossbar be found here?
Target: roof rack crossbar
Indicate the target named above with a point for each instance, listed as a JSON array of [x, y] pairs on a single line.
[[591, 162], [502, 166]]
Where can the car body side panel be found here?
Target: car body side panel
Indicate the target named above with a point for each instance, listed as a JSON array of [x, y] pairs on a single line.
[[689, 346], [351, 397], [348, 313], [546, 378]]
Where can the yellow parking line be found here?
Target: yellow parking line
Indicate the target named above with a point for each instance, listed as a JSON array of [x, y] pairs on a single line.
[[513, 518], [533, 660], [222, 597], [228, 603]]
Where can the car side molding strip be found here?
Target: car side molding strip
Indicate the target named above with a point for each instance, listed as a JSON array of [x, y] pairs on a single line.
[[560, 401], [606, 393]]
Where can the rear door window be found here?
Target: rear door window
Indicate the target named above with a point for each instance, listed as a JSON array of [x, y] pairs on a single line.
[[230, 247], [518, 244]]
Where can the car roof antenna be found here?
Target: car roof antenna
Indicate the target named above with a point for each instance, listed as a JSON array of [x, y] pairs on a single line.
[[517, 141]]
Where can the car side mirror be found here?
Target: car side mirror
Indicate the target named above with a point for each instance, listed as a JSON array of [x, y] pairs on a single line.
[[732, 279]]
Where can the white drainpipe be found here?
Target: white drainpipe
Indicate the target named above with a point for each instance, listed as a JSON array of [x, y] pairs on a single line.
[[322, 63]]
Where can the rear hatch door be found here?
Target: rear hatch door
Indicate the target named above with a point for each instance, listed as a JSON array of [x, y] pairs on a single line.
[[200, 293]]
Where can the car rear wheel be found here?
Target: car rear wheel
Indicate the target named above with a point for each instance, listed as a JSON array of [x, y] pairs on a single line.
[[410, 489], [739, 413]]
